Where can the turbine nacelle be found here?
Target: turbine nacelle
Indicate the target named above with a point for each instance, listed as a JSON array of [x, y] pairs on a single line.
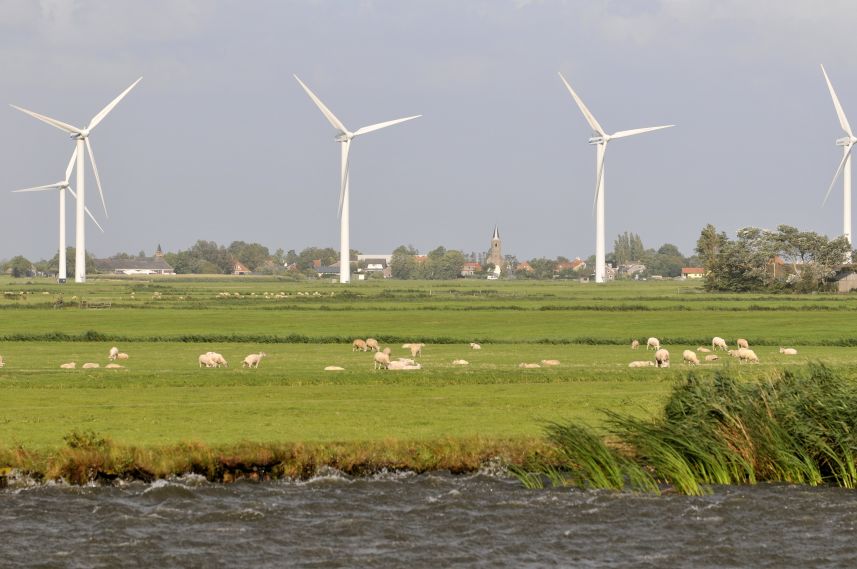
[[846, 141], [598, 139], [82, 135], [343, 137]]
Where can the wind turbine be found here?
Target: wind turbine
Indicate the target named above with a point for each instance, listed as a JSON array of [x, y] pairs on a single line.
[[62, 186], [847, 144], [81, 138], [345, 136], [600, 138]]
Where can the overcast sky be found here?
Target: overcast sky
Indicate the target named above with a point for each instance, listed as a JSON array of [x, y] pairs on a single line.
[[219, 142]]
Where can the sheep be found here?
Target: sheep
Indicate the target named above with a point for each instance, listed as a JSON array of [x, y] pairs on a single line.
[[635, 344], [205, 360], [387, 351], [334, 368], [218, 359], [406, 346], [528, 366], [703, 350], [786, 351], [114, 351], [372, 344], [2, 363], [639, 363], [747, 355], [718, 342], [121, 356], [460, 362], [69, 365], [382, 360], [550, 362], [114, 366], [400, 365], [653, 343], [662, 358], [416, 350], [253, 360], [742, 343], [711, 358], [689, 357], [358, 345], [90, 365], [475, 346], [408, 361]]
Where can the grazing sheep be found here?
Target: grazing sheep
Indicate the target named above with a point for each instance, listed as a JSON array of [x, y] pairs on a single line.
[[90, 365], [358, 345], [218, 359], [334, 368], [372, 344], [689, 357], [703, 350], [788, 351], [114, 351], [635, 344], [718, 342], [747, 355], [399, 365], [639, 363], [653, 343], [475, 346], [417, 350], [460, 362], [662, 358], [408, 361], [528, 366], [406, 346], [2, 363], [711, 358], [387, 351], [382, 360], [69, 365], [550, 362], [253, 360], [205, 360], [121, 356], [742, 343], [114, 366]]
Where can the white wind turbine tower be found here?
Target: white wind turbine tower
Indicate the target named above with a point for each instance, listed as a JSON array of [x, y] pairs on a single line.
[[62, 186], [600, 138], [81, 138], [345, 136], [847, 144]]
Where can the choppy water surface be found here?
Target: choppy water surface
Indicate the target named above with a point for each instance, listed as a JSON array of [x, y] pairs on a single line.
[[432, 520]]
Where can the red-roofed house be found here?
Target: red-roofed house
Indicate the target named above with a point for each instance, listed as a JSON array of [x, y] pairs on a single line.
[[692, 272]]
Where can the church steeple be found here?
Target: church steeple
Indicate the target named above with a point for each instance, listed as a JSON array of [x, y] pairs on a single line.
[[495, 256], [496, 234]]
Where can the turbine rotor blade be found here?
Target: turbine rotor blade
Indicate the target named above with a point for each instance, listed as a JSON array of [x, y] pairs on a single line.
[[100, 116], [331, 118], [624, 133], [95, 171], [86, 209], [70, 166], [53, 122], [345, 148], [381, 125], [843, 121], [40, 188], [838, 171], [590, 118]]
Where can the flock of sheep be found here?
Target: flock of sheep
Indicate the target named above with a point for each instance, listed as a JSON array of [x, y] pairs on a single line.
[[662, 357]]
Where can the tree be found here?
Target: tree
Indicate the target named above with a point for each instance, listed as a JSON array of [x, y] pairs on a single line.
[[70, 253], [742, 265], [543, 268], [251, 255], [403, 265], [709, 244], [20, 267]]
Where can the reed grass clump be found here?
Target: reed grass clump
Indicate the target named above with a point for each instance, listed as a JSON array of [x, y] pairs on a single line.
[[796, 427]]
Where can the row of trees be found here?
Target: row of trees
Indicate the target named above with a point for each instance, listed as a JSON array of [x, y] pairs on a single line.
[[439, 263], [763, 260]]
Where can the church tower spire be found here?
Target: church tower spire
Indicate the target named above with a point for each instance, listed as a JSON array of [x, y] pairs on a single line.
[[495, 256]]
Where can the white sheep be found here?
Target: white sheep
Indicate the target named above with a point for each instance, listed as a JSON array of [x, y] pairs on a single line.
[[205, 360], [400, 365], [121, 356], [662, 358], [406, 346], [2, 363], [475, 346], [372, 344], [407, 361], [253, 360], [689, 357], [747, 355], [635, 344], [114, 351], [417, 350], [703, 350], [90, 365], [460, 362], [69, 365], [382, 360], [114, 366], [742, 343], [387, 350], [218, 359], [653, 343], [788, 351], [334, 368], [718, 342], [550, 362], [711, 358], [358, 345], [528, 366], [639, 363]]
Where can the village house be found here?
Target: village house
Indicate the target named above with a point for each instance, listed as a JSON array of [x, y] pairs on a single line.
[[155, 265], [692, 272]]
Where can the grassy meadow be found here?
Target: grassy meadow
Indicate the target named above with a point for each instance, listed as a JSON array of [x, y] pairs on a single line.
[[163, 398]]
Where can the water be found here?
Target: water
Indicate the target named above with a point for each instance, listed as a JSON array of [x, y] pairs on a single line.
[[431, 520]]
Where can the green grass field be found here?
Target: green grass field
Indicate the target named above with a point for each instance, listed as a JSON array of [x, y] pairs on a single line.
[[163, 397]]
